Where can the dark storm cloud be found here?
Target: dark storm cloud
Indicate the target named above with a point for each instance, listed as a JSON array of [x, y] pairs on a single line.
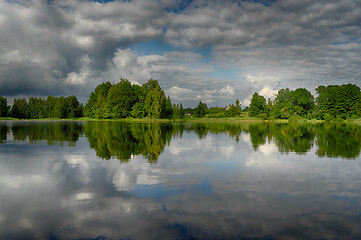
[[44, 43]]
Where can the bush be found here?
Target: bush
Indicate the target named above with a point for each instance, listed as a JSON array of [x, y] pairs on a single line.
[[327, 117], [263, 116]]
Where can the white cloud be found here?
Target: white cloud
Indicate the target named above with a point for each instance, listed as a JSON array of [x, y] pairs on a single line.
[[227, 90], [268, 92], [84, 74]]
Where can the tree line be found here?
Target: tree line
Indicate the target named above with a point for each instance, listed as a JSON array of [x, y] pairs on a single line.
[[332, 102], [38, 108], [124, 100]]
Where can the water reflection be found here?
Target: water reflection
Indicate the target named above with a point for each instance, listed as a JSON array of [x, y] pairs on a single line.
[[122, 141], [210, 181]]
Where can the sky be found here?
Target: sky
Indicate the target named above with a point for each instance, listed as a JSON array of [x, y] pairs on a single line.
[[198, 50]]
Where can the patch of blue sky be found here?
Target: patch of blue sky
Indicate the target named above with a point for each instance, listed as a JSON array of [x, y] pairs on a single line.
[[106, 1], [351, 40], [159, 47], [182, 5], [263, 2], [225, 73], [154, 47]]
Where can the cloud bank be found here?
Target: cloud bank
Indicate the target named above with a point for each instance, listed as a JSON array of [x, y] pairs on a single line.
[[214, 51]]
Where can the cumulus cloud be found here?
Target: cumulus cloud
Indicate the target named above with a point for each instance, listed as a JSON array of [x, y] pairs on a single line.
[[227, 90]]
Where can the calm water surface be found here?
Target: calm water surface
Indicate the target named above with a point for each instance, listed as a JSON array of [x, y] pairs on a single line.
[[113, 180]]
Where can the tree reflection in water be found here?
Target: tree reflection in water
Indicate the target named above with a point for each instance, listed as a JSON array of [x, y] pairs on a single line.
[[123, 140]]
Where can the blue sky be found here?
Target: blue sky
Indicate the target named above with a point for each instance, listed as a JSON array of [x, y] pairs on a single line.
[[198, 50]]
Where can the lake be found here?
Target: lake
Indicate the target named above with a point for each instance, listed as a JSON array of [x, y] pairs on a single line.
[[117, 180]]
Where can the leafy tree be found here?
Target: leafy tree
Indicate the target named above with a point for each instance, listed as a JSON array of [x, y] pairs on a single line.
[[95, 107], [338, 101], [257, 106], [200, 110], [167, 110], [20, 109], [60, 108], [288, 103], [270, 107], [3, 107], [37, 108], [138, 110], [302, 101], [154, 100], [50, 107], [178, 111], [282, 104], [74, 109], [234, 109], [120, 100]]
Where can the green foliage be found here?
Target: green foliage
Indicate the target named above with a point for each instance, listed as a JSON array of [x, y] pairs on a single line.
[[200, 110], [257, 105], [120, 100], [124, 100], [167, 110], [217, 112], [234, 110], [95, 107], [52, 107], [20, 109], [154, 100], [288, 103], [3, 107], [178, 111], [262, 115], [339, 101], [138, 110]]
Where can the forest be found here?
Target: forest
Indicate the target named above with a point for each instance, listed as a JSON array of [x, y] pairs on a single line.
[[126, 100]]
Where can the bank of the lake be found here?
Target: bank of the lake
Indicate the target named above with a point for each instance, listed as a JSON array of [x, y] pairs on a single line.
[[188, 120]]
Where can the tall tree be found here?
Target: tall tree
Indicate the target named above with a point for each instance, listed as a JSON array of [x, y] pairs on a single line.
[[167, 109], [154, 100], [20, 109], [3, 107], [120, 100], [200, 110], [257, 106], [95, 106]]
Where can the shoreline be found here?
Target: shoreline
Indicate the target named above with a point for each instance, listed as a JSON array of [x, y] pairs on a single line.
[[187, 120]]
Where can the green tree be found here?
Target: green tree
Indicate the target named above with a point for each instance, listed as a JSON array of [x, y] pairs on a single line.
[[257, 106], [20, 109], [120, 100], [338, 101], [74, 108], [50, 107], [95, 106], [154, 100], [181, 111], [302, 102], [3, 107], [138, 110], [60, 108], [282, 106], [200, 110], [167, 110]]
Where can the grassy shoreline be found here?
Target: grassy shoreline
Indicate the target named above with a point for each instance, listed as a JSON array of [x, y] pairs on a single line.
[[186, 120]]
